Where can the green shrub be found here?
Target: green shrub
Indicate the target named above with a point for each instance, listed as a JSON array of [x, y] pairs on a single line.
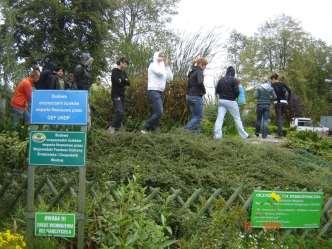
[[221, 231], [189, 161], [311, 142], [12, 152], [137, 107], [126, 222]]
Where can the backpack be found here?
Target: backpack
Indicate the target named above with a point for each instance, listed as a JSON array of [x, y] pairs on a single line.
[[241, 100]]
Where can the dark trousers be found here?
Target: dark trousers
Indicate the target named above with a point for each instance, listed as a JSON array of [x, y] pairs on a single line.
[[281, 109], [262, 120], [195, 104], [118, 103], [156, 99]]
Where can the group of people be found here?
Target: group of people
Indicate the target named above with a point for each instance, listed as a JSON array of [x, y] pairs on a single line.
[[228, 90], [273, 92], [50, 78]]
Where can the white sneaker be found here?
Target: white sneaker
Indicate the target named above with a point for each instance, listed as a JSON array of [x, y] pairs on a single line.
[[111, 130], [144, 132]]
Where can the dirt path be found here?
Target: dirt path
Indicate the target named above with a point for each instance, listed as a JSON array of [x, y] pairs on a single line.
[[269, 140]]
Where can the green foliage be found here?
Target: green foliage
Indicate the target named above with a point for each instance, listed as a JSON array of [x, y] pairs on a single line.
[[101, 106], [12, 152], [311, 142], [59, 29], [137, 108], [221, 231], [126, 222], [43, 243], [140, 30], [282, 46], [121, 214], [185, 161]]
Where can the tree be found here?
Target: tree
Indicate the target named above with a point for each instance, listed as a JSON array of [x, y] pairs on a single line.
[[235, 45], [282, 46], [139, 21], [278, 39], [140, 29], [57, 29]]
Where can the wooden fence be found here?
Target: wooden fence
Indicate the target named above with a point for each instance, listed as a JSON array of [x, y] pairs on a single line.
[[13, 191]]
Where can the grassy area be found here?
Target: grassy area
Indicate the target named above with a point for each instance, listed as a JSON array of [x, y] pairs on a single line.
[[181, 161], [187, 161]]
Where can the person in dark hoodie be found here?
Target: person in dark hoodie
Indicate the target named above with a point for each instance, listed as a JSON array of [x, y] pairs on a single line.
[[228, 90], [50, 77], [45, 79], [283, 96], [83, 72], [119, 83], [264, 95], [195, 92]]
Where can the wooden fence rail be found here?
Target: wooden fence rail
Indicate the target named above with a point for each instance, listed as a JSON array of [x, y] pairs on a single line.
[[14, 188]]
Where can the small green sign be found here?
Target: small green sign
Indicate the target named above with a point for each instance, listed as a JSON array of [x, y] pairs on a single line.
[[57, 148], [280, 209], [55, 225]]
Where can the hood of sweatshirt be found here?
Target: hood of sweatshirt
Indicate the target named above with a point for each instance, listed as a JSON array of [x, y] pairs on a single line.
[[230, 72], [266, 86], [155, 58], [86, 59]]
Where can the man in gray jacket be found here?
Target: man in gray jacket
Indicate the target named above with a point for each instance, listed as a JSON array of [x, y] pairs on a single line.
[[264, 96]]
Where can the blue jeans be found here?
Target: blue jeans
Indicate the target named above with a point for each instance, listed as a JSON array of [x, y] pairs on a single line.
[[20, 116], [118, 116], [262, 119], [281, 109], [156, 101], [232, 107], [195, 104]]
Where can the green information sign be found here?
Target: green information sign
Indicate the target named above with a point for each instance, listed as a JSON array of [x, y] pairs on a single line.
[[278, 209], [57, 148], [55, 225]]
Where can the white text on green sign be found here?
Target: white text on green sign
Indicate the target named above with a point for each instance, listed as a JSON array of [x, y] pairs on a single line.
[[57, 148], [55, 225], [286, 209]]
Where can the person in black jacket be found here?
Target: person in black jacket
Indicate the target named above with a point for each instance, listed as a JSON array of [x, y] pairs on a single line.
[[50, 76], [228, 90], [195, 92], [283, 96], [83, 72], [119, 83]]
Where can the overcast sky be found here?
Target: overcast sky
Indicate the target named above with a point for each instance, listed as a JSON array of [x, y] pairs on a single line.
[[247, 15]]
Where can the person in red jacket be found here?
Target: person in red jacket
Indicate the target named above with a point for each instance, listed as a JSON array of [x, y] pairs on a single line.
[[21, 98]]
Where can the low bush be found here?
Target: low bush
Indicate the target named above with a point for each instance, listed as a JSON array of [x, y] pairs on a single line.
[[311, 142]]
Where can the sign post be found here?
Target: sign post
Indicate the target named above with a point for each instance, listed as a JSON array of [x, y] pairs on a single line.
[[57, 149]]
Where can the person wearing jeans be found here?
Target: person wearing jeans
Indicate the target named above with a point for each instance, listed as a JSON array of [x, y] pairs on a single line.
[[196, 91], [228, 90], [283, 96], [264, 96], [119, 83], [156, 101], [159, 73]]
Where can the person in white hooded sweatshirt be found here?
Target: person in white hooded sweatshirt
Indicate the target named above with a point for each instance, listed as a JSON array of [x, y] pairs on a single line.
[[159, 73]]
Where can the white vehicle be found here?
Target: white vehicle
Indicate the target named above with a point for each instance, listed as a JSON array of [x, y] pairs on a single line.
[[305, 124]]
